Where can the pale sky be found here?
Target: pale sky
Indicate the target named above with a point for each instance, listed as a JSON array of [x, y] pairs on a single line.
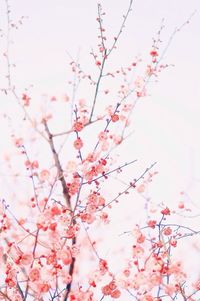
[[166, 125], [168, 121]]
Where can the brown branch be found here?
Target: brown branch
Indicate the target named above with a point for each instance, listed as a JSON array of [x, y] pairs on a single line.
[[72, 130], [58, 166], [71, 271], [90, 241], [5, 296], [66, 196], [20, 290], [72, 265]]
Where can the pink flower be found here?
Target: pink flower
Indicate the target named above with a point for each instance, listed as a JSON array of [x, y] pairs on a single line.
[[43, 287], [181, 205], [44, 175], [87, 217], [34, 274], [26, 259], [103, 136], [197, 285], [103, 266], [141, 188], [173, 242], [115, 294], [98, 63], [78, 126], [165, 211], [106, 290], [26, 100], [101, 201], [138, 251], [55, 210], [151, 224], [78, 143], [167, 231], [170, 289], [66, 257], [18, 142], [154, 53], [115, 118]]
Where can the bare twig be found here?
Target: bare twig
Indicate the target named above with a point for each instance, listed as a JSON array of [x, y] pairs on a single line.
[[97, 86], [121, 28], [5, 296], [106, 53], [132, 185]]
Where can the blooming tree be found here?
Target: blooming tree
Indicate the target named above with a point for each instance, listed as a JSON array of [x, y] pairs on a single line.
[[53, 226]]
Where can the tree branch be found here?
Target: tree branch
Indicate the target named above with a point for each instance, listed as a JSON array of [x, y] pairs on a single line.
[[58, 166]]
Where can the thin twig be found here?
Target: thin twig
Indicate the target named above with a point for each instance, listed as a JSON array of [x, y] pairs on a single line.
[[110, 172], [97, 87], [121, 28], [132, 185]]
